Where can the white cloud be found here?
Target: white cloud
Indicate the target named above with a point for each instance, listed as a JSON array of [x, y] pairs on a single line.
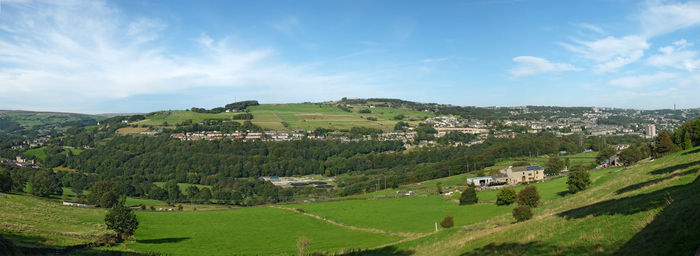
[[591, 27], [529, 65], [658, 19], [610, 53], [640, 81], [675, 56], [71, 55], [435, 60]]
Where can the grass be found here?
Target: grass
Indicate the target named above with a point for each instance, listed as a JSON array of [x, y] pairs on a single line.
[[649, 209], [37, 152], [406, 214], [258, 230], [49, 216]]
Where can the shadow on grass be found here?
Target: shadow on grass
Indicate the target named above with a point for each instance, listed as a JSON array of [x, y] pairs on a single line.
[[654, 181], [674, 168], [389, 250], [162, 240], [564, 193], [533, 248], [697, 150], [674, 231]]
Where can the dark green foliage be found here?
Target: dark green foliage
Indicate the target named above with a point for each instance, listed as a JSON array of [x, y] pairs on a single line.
[[522, 213], [438, 188], [5, 181], [688, 135], [18, 181], [103, 194], [121, 220], [241, 105], [663, 144], [529, 196], [244, 116], [635, 153], [174, 193], [605, 153], [157, 193], [364, 111], [8, 248], [579, 179], [204, 195], [400, 125], [468, 196], [399, 117], [45, 183], [506, 196], [554, 165], [447, 222]]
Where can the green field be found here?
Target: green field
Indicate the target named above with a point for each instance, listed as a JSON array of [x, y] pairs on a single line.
[[258, 230], [406, 214], [305, 116], [37, 152]]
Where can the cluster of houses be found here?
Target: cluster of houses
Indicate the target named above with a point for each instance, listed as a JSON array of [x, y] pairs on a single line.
[[509, 176], [288, 136], [21, 162]]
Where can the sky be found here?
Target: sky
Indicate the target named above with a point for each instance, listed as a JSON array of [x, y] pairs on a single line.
[[93, 56]]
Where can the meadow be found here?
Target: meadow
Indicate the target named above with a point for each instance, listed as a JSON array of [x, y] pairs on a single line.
[[257, 230]]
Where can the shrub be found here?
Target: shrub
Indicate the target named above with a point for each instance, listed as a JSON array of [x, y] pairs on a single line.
[[522, 213], [506, 196], [107, 239], [578, 180], [179, 207], [302, 244], [468, 196], [529, 197], [447, 222]]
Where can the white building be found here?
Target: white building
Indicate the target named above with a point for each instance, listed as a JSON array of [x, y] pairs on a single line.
[[651, 131]]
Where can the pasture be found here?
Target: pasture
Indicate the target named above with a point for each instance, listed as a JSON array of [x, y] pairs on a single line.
[[258, 230]]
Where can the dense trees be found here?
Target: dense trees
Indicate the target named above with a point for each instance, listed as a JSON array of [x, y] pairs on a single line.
[[506, 196], [468, 196], [579, 179], [635, 153], [45, 183], [663, 144], [5, 181], [121, 220], [688, 135]]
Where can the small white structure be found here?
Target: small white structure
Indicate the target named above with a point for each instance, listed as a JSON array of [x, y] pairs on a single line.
[[75, 204], [480, 181]]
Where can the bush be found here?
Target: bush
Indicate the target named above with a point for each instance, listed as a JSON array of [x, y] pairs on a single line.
[[468, 196], [107, 239], [522, 213], [447, 222], [579, 179], [506, 196], [529, 197]]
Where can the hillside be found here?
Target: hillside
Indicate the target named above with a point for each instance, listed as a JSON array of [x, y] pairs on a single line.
[[647, 209], [302, 116]]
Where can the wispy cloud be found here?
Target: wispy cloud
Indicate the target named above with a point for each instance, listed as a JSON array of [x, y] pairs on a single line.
[[658, 19], [641, 81], [529, 65], [610, 53], [70, 55]]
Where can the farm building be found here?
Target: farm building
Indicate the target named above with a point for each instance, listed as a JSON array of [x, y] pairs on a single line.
[[524, 174]]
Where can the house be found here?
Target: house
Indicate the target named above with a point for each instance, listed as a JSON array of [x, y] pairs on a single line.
[[500, 179], [480, 181], [524, 174]]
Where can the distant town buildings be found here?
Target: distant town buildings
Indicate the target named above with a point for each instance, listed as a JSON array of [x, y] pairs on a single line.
[[651, 131]]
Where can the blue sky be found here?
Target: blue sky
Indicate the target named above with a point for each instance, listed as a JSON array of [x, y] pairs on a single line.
[[142, 56]]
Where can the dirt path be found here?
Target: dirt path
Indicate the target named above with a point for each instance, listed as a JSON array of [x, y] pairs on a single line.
[[372, 230]]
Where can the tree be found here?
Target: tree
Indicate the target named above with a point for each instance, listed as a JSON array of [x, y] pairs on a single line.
[[204, 195], [173, 189], [554, 165], [663, 144], [5, 181], [45, 183], [529, 197], [468, 196], [121, 219], [506, 196], [579, 179], [438, 187], [17, 182], [522, 213], [103, 194], [447, 222], [605, 154], [192, 192]]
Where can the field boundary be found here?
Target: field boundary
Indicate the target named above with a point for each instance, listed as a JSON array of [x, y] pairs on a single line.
[[371, 230]]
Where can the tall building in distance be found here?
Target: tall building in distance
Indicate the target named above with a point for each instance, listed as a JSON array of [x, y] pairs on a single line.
[[651, 131]]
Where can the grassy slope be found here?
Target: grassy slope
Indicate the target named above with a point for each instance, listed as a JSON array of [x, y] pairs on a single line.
[[259, 230], [37, 152], [42, 214], [650, 209]]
